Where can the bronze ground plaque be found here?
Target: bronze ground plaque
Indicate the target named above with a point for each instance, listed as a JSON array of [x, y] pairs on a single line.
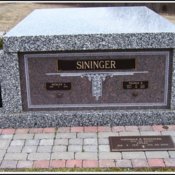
[[141, 143]]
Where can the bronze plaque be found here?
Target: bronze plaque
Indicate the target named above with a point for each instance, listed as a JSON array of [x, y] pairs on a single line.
[[141, 143], [108, 64], [135, 84], [58, 86]]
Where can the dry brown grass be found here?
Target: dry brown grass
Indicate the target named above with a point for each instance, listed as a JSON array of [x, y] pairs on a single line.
[[12, 13], [169, 17]]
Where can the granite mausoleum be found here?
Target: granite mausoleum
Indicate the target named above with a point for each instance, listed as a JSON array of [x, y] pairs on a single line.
[[88, 66]]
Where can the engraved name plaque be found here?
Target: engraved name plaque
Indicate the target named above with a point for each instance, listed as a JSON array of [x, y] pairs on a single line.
[[58, 86], [80, 65], [141, 143], [94, 80], [135, 84]]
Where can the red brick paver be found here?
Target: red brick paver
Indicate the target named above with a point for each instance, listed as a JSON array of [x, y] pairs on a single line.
[[171, 127], [160, 128], [8, 131], [156, 163], [77, 129], [1, 131], [104, 129], [131, 128], [41, 164], [118, 129], [63, 129], [106, 163], [145, 128], [91, 129], [90, 163], [74, 163], [22, 131], [35, 130], [58, 164], [49, 130]]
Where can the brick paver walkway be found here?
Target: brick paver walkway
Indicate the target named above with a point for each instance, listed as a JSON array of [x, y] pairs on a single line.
[[79, 147]]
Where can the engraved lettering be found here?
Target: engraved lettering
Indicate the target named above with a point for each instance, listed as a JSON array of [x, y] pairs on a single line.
[[86, 65], [113, 64], [64, 65], [58, 86], [102, 65], [140, 143], [107, 65], [79, 66], [94, 65], [135, 84]]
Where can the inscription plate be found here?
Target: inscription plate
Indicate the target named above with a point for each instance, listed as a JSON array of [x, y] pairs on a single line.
[[58, 86], [141, 143], [135, 84], [80, 65]]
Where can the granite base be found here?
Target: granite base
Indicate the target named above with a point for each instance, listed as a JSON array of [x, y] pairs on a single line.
[[87, 118]]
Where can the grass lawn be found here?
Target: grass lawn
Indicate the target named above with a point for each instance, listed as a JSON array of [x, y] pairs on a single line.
[[91, 170]]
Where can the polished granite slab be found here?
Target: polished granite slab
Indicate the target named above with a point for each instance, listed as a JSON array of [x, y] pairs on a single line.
[[78, 21], [90, 29]]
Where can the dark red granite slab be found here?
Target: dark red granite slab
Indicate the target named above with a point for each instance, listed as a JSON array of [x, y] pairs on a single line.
[[114, 94]]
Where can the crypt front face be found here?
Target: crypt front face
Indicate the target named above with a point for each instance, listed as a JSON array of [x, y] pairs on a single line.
[[116, 80]]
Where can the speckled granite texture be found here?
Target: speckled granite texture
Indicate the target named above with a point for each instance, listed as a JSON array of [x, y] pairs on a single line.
[[87, 118], [89, 42], [11, 95], [144, 30]]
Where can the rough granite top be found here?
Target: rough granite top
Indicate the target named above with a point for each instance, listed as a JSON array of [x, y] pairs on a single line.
[[100, 20], [96, 28]]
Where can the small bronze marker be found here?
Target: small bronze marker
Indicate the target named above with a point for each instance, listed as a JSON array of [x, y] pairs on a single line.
[[141, 143]]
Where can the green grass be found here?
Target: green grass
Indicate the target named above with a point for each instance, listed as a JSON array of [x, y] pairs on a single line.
[[1, 43], [91, 170]]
